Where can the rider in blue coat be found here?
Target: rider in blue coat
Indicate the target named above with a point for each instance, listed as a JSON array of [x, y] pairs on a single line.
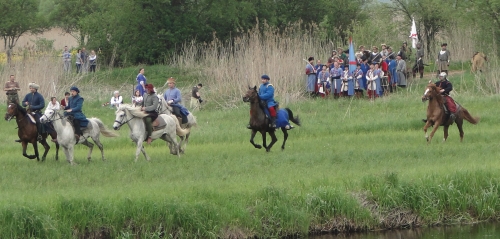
[[35, 103], [74, 108], [266, 93]]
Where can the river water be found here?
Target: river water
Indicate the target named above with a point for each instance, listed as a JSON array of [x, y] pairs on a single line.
[[476, 231]]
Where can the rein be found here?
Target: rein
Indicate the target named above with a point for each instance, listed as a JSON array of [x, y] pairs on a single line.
[[126, 121]]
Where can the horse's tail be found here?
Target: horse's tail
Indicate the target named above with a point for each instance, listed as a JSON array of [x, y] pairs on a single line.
[[106, 132], [178, 130], [295, 120], [468, 117], [191, 120]]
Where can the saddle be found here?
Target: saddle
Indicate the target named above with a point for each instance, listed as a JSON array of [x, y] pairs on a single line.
[[159, 124]]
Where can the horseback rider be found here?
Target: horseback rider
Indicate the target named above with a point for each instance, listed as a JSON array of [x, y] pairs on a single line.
[[446, 88], [266, 94], [173, 98], [74, 109], [35, 102], [149, 105]]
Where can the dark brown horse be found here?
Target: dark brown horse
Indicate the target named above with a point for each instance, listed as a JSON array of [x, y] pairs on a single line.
[[436, 115], [27, 131], [260, 123]]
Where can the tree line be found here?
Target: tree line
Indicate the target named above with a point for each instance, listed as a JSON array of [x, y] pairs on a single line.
[[149, 31]]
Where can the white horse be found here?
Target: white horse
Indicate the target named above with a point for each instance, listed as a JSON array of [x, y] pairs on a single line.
[[167, 109], [66, 133], [133, 116]]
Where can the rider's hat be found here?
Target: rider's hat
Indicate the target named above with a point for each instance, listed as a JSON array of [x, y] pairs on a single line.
[[171, 80], [34, 86], [265, 77], [75, 89], [149, 86]]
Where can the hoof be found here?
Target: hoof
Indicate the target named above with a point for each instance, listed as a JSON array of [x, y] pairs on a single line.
[[258, 146]]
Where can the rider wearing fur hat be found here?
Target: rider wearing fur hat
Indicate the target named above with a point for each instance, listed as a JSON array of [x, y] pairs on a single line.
[[34, 102]]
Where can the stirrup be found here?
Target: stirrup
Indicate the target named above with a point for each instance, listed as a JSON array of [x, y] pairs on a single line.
[[249, 126], [39, 138]]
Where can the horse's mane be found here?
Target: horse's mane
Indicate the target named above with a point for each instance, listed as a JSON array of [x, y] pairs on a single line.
[[21, 109], [436, 94], [135, 111]]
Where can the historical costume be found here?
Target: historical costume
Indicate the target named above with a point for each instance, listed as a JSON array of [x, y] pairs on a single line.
[[150, 105], [358, 80], [419, 62], [324, 82], [443, 59], [311, 75], [34, 103], [335, 74], [347, 87], [400, 69], [74, 109], [266, 93]]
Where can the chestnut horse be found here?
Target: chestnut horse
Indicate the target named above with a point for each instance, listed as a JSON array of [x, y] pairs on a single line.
[[27, 131], [260, 123], [436, 115]]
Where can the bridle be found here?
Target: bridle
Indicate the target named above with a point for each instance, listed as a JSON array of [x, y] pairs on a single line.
[[124, 116], [52, 117]]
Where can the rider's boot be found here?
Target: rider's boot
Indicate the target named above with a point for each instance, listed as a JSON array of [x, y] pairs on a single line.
[[39, 129], [149, 128], [273, 122]]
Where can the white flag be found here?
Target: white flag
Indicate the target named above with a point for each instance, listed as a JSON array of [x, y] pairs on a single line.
[[413, 34]]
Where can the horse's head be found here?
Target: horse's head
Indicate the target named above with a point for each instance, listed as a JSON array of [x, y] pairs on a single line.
[[120, 116], [48, 116], [251, 95], [431, 92], [12, 110]]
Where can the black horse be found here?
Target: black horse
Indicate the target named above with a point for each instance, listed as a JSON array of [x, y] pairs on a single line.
[[260, 123]]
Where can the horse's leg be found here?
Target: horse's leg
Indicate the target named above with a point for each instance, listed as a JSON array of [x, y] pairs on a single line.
[[264, 138], [182, 143], [435, 127], [252, 137], [285, 134], [68, 151], [35, 147], [25, 146], [57, 151], [91, 147], [272, 133], [100, 146], [140, 149], [46, 148], [172, 144], [445, 130], [460, 129], [426, 126]]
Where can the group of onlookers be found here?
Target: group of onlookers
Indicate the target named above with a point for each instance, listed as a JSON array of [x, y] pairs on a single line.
[[377, 72], [84, 61]]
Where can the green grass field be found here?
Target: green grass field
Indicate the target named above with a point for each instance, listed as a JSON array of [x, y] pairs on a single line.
[[353, 165]]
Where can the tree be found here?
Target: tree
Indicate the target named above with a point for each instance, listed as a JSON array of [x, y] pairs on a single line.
[[341, 16], [18, 17], [68, 15], [433, 19]]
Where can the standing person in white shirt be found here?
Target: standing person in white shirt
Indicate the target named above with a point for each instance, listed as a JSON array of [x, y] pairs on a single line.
[[53, 104], [116, 100]]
